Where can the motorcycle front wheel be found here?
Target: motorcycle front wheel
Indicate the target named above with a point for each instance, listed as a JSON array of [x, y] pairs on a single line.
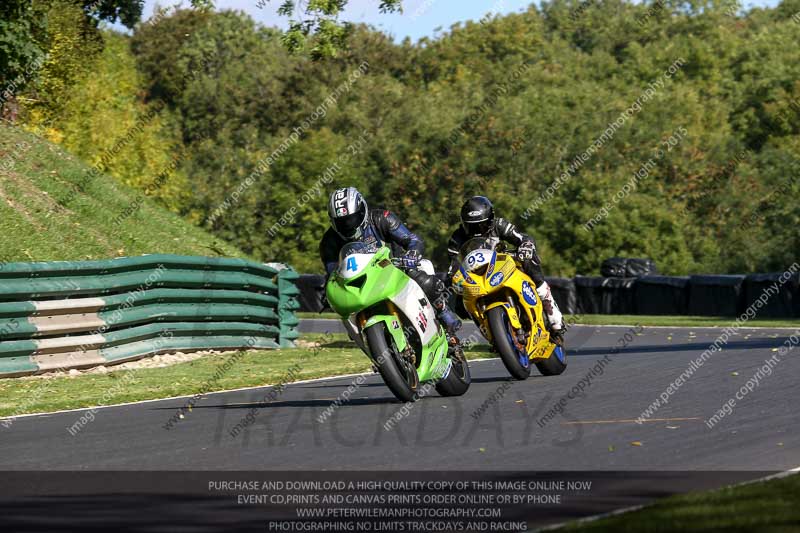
[[397, 372], [516, 361]]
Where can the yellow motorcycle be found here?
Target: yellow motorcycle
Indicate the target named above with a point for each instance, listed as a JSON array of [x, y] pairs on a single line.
[[502, 300]]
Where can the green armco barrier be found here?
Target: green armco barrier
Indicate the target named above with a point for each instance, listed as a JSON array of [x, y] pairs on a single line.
[[77, 314], [28, 347], [21, 348], [147, 297], [80, 285], [288, 318], [144, 262], [153, 347], [131, 316], [188, 329], [17, 366], [12, 309]]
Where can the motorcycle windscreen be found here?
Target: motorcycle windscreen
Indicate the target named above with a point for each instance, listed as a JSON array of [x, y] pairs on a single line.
[[354, 257], [477, 254]]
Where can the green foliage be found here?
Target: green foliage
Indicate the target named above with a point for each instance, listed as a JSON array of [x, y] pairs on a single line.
[[21, 26], [49, 211], [46, 44], [158, 46], [502, 107], [72, 43], [506, 106], [105, 123], [316, 26], [128, 12]]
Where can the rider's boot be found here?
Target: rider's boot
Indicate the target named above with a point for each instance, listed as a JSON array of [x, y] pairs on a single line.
[[554, 316], [451, 324], [449, 320]]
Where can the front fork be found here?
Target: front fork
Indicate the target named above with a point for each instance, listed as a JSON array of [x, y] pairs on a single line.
[[391, 318], [512, 312]]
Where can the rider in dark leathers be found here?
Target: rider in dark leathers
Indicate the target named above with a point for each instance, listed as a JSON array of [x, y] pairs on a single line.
[[351, 220], [478, 220]]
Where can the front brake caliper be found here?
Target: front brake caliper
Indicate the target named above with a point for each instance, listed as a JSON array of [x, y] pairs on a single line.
[[409, 354]]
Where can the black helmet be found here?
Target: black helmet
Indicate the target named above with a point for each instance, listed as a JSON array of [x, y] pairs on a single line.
[[347, 210], [477, 216]]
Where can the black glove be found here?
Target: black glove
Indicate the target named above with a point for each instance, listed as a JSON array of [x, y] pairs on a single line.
[[526, 251]]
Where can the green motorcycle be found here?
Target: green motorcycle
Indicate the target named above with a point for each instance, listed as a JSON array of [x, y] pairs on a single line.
[[388, 315]]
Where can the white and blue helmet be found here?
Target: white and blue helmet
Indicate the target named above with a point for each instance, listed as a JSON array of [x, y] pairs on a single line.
[[348, 212]]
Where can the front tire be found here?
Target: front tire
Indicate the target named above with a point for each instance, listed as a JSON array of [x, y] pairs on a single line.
[[458, 379], [398, 374], [503, 335]]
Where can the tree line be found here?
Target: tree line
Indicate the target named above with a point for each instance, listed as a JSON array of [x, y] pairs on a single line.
[[550, 112]]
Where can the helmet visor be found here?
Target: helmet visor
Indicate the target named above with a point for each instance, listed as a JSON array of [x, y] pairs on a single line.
[[347, 226], [478, 228]]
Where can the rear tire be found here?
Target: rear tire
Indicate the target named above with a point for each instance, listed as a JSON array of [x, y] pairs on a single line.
[[458, 379], [401, 378], [501, 334], [554, 365]]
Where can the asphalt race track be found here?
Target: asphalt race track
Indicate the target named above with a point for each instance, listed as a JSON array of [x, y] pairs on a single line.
[[596, 430]]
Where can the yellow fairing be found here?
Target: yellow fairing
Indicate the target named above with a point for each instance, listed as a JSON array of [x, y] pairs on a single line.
[[480, 296]]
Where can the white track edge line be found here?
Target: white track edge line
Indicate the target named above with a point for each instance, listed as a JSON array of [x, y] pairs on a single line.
[[254, 387], [607, 326], [632, 508]]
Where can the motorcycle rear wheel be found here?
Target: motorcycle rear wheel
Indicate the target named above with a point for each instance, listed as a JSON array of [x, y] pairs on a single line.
[[554, 365], [458, 379]]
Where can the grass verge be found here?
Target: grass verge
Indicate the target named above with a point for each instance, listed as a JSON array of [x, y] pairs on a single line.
[[335, 355], [52, 209], [768, 506], [648, 320]]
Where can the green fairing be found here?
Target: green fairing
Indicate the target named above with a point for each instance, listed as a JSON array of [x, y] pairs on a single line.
[[383, 283]]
